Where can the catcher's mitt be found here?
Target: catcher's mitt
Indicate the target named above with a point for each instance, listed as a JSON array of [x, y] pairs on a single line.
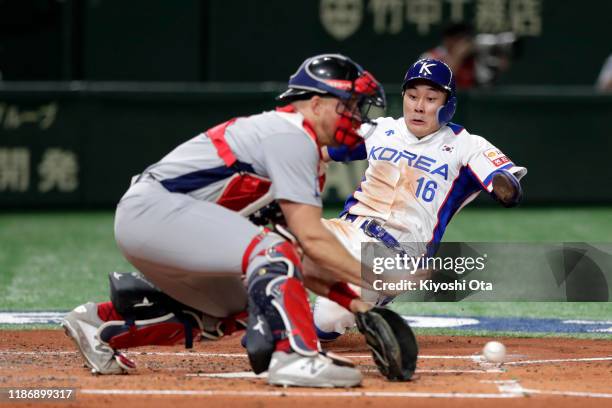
[[392, 342]]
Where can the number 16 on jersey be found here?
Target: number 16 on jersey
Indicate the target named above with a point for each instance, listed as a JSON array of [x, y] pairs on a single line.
[[426, 189]]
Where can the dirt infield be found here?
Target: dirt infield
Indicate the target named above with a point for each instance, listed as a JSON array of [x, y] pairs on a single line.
[[539, 372]]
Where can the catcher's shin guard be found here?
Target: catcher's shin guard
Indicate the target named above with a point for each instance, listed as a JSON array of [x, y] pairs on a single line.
[[149, 316], [166, 330], [278, 306]]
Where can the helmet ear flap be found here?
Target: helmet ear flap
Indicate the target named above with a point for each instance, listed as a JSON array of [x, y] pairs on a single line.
[[446, 111]]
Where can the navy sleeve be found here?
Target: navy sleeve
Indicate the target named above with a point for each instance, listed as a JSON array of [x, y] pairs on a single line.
[[343, 154]]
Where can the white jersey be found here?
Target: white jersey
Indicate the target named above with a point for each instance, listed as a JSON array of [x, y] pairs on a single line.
[[415, 186]]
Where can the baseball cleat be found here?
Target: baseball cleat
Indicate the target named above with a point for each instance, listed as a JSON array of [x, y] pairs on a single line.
[[81, 325], [293, 369]]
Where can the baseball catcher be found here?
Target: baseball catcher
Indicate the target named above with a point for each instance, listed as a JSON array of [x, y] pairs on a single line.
[[183, 224]]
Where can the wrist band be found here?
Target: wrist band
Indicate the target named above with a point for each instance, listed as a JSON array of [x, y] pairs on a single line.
[[342, 294]]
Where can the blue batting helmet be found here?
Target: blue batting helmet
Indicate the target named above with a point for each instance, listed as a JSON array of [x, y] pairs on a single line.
[[339, 76], [441, 76]]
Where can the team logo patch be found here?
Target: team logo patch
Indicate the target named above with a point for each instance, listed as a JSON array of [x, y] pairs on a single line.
[[425, 68], [389, 132], [496, 157]]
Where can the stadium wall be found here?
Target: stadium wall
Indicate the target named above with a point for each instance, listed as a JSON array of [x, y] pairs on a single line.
[[77, 144]]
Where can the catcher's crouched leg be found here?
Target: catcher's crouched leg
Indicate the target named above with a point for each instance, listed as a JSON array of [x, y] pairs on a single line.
[[150, 317], [145, 316], [280, 336], [139, 314]]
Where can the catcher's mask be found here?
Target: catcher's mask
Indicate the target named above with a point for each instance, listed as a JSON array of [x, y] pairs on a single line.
[[362, 97]]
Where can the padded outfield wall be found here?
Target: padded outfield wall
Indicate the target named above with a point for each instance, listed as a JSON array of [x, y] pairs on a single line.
[[78, 144]]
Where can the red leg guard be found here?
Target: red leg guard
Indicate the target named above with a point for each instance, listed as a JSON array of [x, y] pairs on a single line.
[[107, 312], [251, 247], [283, 345], [296, 308], [167, 330], [288, 250], [285, 249], [277, 295]]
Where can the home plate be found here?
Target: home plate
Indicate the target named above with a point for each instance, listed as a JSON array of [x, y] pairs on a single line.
[[239, 374]]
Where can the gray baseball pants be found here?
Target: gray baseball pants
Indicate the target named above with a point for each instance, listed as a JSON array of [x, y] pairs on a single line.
[[190, 249]]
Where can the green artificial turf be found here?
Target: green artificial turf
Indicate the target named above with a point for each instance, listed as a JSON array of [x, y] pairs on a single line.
[[56, 260]]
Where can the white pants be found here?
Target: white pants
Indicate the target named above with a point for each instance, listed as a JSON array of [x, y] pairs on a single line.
[[330, 317]]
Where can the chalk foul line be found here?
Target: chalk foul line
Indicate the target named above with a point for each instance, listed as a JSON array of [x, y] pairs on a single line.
[[289, 393], [507, 389]]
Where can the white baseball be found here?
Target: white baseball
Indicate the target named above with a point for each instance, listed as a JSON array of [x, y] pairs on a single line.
[[494, 351]]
